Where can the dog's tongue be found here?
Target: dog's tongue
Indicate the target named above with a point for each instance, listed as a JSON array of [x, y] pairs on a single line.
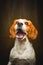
[[19, 35]]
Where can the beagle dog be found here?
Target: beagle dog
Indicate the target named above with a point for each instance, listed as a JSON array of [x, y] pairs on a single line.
[[22, 52]]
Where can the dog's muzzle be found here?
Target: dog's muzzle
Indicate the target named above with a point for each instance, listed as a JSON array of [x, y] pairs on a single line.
[[20, 34], [19, 24]]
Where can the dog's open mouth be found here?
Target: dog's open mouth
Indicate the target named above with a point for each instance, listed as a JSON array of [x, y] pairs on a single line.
[[20, 34]]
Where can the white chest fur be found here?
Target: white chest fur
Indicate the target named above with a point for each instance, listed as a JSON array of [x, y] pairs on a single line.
[[23, 50]]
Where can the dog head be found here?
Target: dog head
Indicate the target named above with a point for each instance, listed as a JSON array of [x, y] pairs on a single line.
[[22, 28]]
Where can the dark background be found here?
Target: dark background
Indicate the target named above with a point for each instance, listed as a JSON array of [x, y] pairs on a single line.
[[11, 9]]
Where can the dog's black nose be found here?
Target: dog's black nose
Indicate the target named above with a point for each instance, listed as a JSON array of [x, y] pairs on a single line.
[[19, 23]]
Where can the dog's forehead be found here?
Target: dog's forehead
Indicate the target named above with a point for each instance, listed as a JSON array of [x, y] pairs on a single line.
[[21, 20]]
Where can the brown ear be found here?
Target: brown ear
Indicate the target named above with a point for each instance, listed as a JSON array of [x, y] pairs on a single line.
[[12, 30], [32, 31]]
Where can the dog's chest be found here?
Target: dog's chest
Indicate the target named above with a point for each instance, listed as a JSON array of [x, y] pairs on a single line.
[[21, 49], [23, 52]]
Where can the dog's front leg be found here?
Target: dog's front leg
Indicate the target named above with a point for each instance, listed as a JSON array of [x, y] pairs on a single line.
[[9, 63]]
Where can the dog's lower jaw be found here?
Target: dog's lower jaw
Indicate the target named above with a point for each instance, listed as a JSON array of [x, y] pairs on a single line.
[[23, 49]]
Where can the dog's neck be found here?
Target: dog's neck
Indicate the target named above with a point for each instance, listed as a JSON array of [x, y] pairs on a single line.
[[21, 44], [20, 41]]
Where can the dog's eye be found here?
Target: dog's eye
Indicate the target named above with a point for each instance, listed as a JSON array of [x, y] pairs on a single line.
[[26, 23], [16, 22]]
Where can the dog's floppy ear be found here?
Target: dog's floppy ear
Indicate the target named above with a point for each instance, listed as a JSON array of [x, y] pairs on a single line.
[[12, 30], [32, 31]]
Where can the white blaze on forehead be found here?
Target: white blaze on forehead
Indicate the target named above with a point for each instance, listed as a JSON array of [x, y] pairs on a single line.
[[20, 20], [23, 20]]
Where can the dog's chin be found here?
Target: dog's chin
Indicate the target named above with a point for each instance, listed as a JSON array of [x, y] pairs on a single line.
[[20, 34], [20, 38]]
